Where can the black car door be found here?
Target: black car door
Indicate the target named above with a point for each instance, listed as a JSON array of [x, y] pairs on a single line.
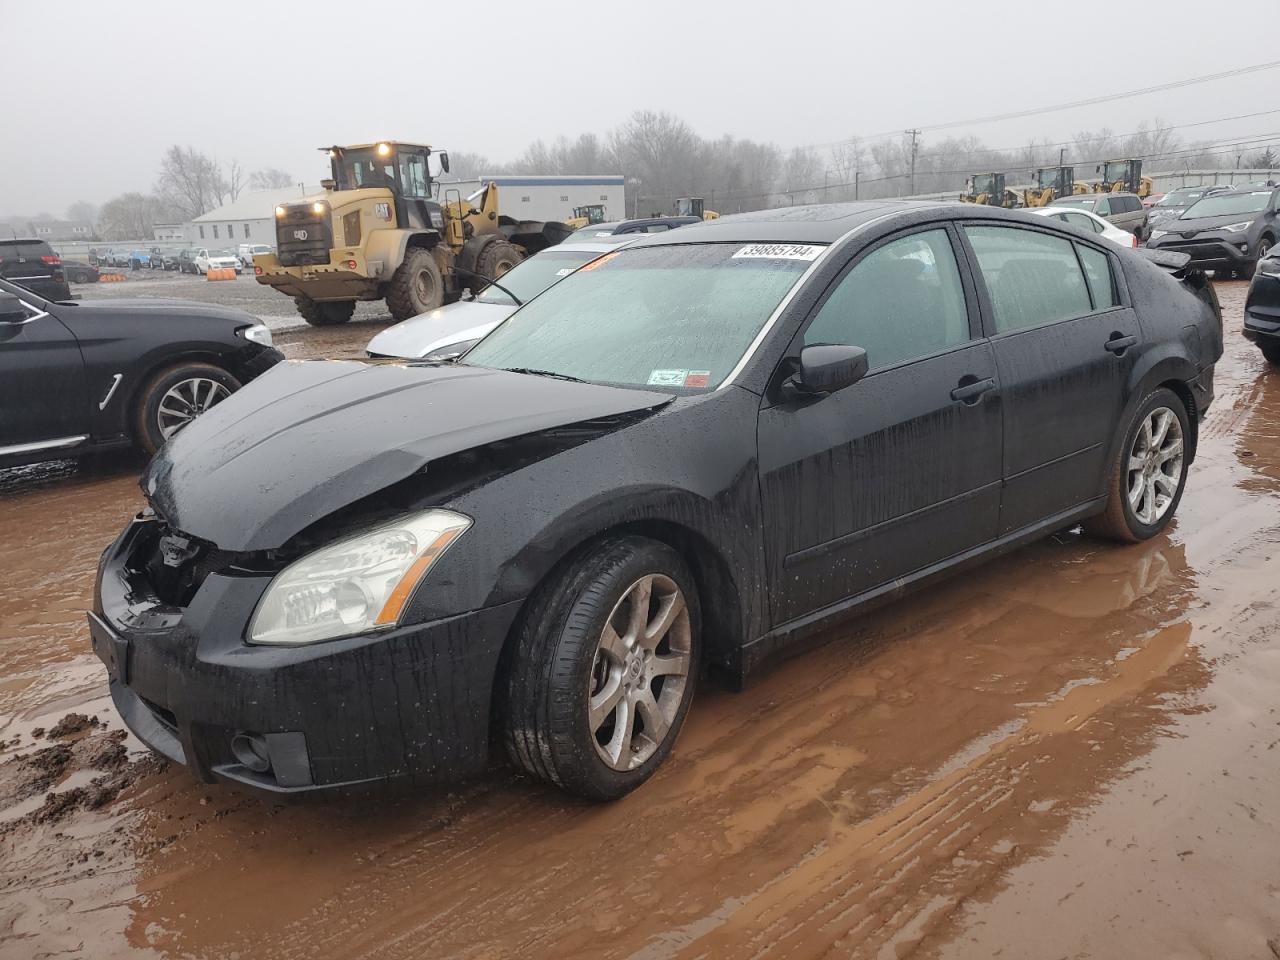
[[901, 470], [1065, 345], [42, 399]]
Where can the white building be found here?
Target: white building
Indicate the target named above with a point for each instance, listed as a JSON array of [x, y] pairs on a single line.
[[548, 198], [250, 218]]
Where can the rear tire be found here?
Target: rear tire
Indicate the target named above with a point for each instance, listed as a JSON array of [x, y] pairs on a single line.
[[184, 388], [1271, 351], [1149, 472], [416, 286], [327, 313], [618, 629]]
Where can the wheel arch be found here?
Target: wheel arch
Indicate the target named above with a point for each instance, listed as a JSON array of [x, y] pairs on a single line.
[[155, 366]]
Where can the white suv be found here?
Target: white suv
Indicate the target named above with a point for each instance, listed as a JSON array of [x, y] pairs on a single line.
[[206, 260], [247, 251]]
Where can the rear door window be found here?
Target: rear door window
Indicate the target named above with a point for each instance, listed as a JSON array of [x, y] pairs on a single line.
[[1084, 223], [1032, 278], [901, 301], [1097, 271]]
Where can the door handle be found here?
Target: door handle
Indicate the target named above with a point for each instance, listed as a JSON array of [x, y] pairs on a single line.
[[971, 389], [1119, 344]]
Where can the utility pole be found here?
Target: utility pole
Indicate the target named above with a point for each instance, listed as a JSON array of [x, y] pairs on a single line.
[[857, 175], [915, 136], [1062, 156]]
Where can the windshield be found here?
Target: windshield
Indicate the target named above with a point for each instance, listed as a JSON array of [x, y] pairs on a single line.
[[1115, 171], [223, 253], [982, 184], [364, 168], [1047, 178], [676, 316], [1087, 201], [1228, 204], [1180, 198], [530, 277]]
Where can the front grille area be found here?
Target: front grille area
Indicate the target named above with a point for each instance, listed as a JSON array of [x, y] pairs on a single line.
[[1198, 251], [171, 566], [303, 238]]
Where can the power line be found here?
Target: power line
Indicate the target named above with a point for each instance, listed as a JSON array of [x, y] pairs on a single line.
[[1088, 101]]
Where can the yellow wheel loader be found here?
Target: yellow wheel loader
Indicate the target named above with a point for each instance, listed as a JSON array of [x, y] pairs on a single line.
[[989, 189], [694, 207], [382, 231], [586, 216], [1052, 183], [1123, 176]]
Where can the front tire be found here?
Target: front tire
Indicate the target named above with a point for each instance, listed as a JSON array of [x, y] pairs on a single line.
[[497, 258], [1149, 472], [416, 286], [604, 668], [327, 313], [174, 397]]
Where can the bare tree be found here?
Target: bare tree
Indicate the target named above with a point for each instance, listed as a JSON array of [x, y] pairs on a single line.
[[234, 180], [270, 178], [83, 210], [131, 216], [190, 181]]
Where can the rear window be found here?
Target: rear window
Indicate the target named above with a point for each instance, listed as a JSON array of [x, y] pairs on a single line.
[[26, 249]]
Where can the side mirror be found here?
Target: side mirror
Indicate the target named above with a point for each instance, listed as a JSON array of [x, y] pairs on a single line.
[[11, 309], [444, 161], [828, 367]]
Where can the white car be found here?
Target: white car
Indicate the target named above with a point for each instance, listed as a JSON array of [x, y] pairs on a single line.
[[246, 252], [206, 260], [1089, 222], [450, 331]]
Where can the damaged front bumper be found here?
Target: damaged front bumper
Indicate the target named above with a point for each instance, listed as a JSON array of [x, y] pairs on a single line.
[[411, 702]]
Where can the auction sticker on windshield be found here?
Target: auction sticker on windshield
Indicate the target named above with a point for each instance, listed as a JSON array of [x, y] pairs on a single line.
[[778, 251], [667, 378]]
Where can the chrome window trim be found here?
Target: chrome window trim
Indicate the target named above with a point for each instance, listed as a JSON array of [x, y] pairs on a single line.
[[38, 445], [791, 295], [36, 314]]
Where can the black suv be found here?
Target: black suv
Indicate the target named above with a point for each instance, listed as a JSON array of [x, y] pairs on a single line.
[[34, 265], [1226, 233], [1262, 307]]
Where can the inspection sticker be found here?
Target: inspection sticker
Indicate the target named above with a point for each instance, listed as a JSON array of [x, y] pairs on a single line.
[[667, 378], [778, 251], [564, 271], [698, 379]]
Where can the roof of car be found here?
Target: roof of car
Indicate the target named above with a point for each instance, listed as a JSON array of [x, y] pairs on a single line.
[[815, 223], [610, 241], [21, 240]]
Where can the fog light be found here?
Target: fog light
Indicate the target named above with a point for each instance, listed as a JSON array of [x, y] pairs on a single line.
[[351, 264], [257, 270], [251, 751]]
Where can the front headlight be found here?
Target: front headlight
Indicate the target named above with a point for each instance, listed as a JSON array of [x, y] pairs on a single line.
[[357, 584], [1157, 234], [1270, 266], [258, 333], [1240, 227]]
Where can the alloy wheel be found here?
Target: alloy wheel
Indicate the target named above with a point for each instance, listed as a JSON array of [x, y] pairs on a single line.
[[185, 401], [640, 672], [1155, 465]]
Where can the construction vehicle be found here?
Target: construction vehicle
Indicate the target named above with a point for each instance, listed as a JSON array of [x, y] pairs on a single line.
[[989, 189], [694, 207], [586, 216], [1052, 183], [380, 231], [1123, 176]]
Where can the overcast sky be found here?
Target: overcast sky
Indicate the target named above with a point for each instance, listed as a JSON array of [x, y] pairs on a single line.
[[94, 92]]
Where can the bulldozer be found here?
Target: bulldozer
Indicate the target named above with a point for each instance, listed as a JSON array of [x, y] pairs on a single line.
[[382, 231], [1121, 176], [989, 189], [694, 207], [592, 213], [1052, 183]]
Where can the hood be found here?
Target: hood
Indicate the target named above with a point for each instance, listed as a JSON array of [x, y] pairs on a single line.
[[419, 335], [1206, 224], [155, 308], [313, 436]]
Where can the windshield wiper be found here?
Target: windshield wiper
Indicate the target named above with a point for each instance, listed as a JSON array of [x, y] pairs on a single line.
[[492, 282], [543, 373]]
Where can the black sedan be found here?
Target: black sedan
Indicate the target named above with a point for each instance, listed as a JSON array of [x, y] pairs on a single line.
[[683, 457], [1226, 232], [85, 376], [79, 272], [1262, 307]]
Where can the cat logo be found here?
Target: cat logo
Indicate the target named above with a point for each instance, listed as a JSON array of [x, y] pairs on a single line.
[[382, 211], [299, 234]]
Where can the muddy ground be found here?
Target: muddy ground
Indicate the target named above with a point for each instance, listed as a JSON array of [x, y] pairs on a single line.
[[1070, 752]]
